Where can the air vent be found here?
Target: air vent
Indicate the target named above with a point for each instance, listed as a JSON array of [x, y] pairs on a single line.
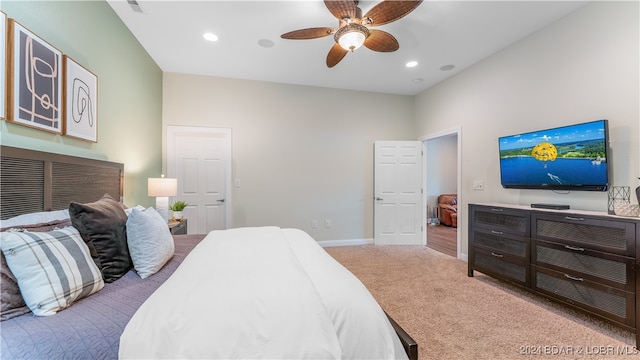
[[135, 6]]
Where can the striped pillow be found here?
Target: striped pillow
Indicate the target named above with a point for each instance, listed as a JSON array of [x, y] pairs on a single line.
[[53, 269]]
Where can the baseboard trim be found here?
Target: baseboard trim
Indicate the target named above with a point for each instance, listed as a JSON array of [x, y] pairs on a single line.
[[345, 242]]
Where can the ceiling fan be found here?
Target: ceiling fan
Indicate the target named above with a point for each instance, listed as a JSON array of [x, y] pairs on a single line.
[[354, 29]]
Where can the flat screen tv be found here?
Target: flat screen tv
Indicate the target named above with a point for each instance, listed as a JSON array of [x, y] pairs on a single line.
[[572, 157]]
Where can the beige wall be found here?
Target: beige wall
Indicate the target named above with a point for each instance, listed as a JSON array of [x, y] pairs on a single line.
[[584, 67], [301, 153], [129, 89]]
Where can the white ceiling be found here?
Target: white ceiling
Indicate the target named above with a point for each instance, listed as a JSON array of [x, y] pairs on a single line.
[[437, 33]]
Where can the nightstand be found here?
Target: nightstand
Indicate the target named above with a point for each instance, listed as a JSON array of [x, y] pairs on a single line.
[[178, 227]]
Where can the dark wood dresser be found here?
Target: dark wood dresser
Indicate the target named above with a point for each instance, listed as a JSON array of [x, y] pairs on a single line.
[[587, 260]]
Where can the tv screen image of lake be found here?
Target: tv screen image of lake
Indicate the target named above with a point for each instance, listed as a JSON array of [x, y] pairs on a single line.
[[571, 167]]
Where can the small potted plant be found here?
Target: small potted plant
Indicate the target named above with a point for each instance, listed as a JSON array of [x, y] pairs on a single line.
[[177, 209]]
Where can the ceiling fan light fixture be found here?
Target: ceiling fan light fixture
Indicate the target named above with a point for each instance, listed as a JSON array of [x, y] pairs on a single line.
[[210, 36], [351, 36]]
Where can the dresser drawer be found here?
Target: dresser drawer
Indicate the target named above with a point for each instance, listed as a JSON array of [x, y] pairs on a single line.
[[501, 266], [611, 236], [611, 270], [502, 243], [501, 219], [614, 304]]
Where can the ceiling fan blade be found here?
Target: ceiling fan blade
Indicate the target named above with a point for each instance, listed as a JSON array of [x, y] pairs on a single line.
[[382, 41], [336, 54], [341, 8], [309, 33], [388, 11]]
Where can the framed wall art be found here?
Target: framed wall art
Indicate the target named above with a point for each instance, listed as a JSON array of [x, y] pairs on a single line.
[[80, 101], [35, 81], [3, 65]]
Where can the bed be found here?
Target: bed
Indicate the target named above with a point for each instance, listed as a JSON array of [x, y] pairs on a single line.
[[107, 323]]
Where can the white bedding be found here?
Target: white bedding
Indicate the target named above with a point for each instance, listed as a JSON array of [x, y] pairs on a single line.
[[260, 293]]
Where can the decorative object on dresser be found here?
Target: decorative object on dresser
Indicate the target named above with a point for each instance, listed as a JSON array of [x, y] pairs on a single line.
[[589, 261], [162, 188], [626, 209], [618, 194]]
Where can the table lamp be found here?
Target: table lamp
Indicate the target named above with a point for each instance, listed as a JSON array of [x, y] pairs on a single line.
[[162, 188]]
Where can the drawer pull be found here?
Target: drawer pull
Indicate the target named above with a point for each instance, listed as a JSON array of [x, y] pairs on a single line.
[[497, 232], [575, 278], [497, 209], [574, 218], [573, 248], [497, 255]]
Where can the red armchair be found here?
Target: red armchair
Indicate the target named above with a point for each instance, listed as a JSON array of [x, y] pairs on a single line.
[[448, 206]]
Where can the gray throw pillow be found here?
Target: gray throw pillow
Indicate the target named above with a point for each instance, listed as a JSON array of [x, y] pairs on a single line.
[[102, 225], [10, 298]]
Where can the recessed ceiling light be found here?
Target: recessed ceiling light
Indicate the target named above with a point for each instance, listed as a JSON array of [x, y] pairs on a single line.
[[266, 43], [417, 80], [447, 67], [411, 64], [210, 36]]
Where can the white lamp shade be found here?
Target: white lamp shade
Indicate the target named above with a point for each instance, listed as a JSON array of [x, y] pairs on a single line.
[[162, 187], [352, 40]]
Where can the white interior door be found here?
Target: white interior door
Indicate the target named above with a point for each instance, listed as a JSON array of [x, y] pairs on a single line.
[[398, 200], [200, 158]]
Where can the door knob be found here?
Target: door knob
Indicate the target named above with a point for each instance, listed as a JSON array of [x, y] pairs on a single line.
[[221, 201], [379, 199]]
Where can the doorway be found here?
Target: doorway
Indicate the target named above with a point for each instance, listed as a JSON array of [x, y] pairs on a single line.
[[442, 176], [398, 196], [200, 158]]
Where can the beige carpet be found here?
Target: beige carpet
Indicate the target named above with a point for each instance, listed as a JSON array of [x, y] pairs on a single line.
[[453, 316]]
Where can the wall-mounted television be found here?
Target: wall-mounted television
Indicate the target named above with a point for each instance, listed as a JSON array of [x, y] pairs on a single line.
[[572, 157]]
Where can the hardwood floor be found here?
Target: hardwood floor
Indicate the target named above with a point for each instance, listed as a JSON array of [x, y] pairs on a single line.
[[443, 239]]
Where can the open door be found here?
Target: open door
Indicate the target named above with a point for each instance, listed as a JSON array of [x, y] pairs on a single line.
[[398, 201]]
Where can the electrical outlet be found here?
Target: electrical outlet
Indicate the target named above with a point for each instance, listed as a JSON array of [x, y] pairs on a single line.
[[327, 223], [478, 185], [314, 224], [237, 183]]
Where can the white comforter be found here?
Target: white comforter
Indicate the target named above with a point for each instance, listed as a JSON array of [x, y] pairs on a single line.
[[260, 293]]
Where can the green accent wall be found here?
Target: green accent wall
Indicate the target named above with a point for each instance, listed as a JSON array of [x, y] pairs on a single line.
[[129, 89]]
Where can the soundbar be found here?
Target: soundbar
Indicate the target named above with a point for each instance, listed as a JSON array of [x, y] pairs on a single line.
[[551, 206]]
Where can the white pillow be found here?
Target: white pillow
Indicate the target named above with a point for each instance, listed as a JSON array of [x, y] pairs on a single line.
[[129, 210], [150, 241], [35, 218], [53, 269]]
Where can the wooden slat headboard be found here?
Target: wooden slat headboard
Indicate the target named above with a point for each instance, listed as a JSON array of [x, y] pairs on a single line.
[[32, 181]]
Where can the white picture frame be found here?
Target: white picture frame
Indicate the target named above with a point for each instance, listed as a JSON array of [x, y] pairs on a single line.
[[80, 101]]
